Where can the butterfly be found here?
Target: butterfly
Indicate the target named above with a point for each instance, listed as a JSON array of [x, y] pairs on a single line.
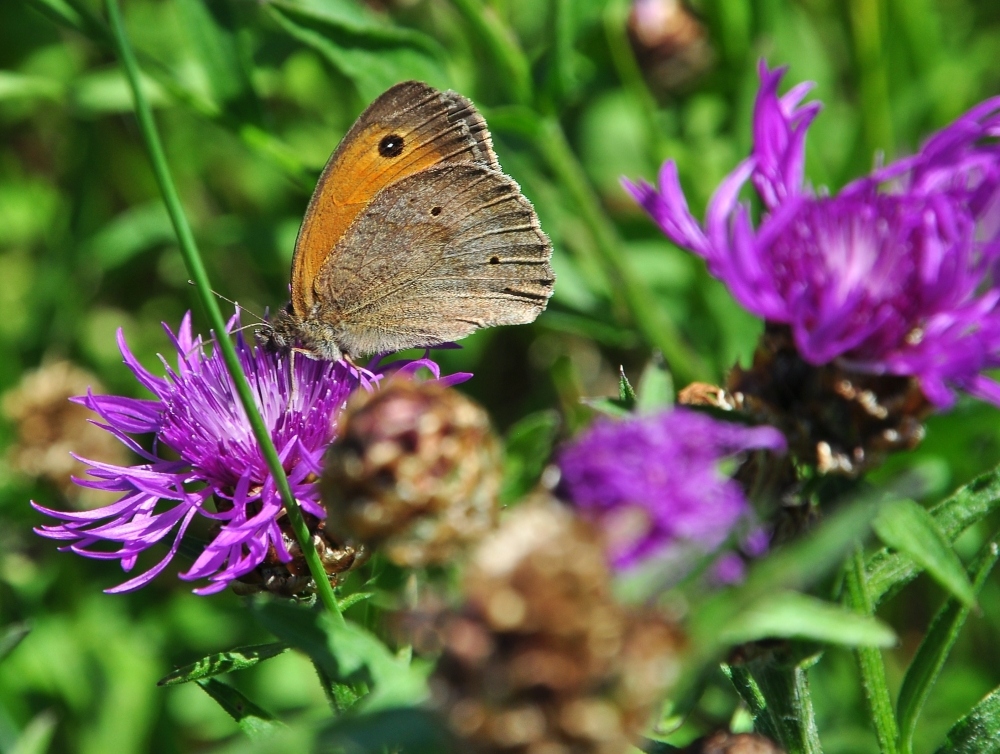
[[413, 237]]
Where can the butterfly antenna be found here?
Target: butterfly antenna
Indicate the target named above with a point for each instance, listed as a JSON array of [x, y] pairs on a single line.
[[238, 306]]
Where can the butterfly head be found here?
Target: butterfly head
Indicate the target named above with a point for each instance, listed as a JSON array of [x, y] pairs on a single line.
[[287, 331]]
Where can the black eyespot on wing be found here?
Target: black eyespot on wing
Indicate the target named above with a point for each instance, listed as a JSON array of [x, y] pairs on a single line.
[[435, 211], [494, 260], [391, 145]]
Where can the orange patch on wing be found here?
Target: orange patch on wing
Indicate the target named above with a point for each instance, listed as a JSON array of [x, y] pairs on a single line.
[[350, 181]]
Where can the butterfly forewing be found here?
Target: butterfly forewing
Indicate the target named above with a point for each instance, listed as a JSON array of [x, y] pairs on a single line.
[[434, 257], [410, 128]]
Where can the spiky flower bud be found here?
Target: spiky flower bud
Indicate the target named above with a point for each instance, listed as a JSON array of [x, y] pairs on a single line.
[[415, 471], [541, 658]]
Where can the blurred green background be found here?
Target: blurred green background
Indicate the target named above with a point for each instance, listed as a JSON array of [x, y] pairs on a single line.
[[251, 98]]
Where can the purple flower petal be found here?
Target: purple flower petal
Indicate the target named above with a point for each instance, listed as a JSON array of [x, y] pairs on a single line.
[[894, 275], [655, 482], [196, 416]]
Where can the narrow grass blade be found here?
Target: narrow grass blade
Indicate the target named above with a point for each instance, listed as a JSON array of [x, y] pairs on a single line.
[[934, 649], [909, 528], [240, 658], [255, 722], [888, 572]]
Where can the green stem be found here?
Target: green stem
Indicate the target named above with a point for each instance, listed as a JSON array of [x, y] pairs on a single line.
[[870, 661], [646, 312], [866, 30], [503, 47], [775, 687], [630, 74], [196, 268]]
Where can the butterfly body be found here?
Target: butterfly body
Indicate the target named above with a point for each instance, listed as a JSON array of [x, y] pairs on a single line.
[[414, 236]]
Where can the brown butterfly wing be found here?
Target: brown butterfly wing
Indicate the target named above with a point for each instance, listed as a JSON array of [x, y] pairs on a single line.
[[433, 258], [410, 128]]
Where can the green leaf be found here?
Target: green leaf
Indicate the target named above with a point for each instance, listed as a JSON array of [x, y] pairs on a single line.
[[626, 394], [12, 636], [979, 731], [794, 566], [909, 528], [19, 86], [211, 30], [775, 687], [656, 387], [414, 731], [255, 722], [970, 504], [240, 658], [372, 55], [791, 615], [347, 653], [527, 450], [37, 735], [933, 651], [353, 599]]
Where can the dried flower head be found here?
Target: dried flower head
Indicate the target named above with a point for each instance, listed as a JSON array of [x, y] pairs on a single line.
[[415, 472], [670, 43], [655, 483], [205, 462], [734, 743], [892, 276], [541, 658], [50, 427]]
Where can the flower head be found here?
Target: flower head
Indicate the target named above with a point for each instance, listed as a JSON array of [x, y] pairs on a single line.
[[415, 470], [205, 460], [893, 275], [540, 657], [656, 481]]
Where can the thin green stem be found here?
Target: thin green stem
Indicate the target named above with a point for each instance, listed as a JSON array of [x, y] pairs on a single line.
[[866, 29], [630, 74], [196, 268], [515, 71], [647, 313], [870, 661]]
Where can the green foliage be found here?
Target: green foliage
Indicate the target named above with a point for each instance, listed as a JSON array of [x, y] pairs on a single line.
[[253, 721]]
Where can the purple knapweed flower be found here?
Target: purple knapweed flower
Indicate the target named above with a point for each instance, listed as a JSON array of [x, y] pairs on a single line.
[[654, 482], [219, 472], [893, 275]]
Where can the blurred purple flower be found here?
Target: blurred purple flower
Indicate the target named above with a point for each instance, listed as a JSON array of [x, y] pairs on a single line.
[[893, 275], [655, 482], [220, 472]]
